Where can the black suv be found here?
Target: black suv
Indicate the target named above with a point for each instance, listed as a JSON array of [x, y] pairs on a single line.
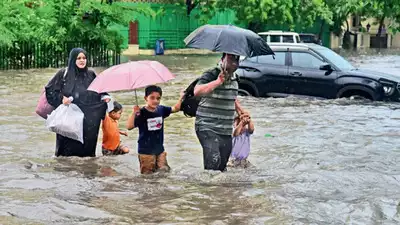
[[312, 70]]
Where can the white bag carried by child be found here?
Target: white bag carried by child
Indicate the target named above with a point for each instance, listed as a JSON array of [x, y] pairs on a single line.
[[67, 120]]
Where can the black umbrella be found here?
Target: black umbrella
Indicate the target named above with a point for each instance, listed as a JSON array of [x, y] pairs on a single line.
[[229, 39]]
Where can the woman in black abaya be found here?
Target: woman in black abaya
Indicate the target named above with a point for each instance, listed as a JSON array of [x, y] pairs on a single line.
[[75, 84]]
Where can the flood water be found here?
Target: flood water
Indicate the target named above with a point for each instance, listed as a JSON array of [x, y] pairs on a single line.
[[327, 162]]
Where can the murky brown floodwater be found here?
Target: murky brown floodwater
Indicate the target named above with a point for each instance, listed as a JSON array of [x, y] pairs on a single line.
[[329, 162]]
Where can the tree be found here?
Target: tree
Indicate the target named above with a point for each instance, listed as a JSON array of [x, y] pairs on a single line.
[[379, 9], [22, 20], [341, 11], [92, 21], [384, 9], [255, 14], [57, 21], [206, 8]]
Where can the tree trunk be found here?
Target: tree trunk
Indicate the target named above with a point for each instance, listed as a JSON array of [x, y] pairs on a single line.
[[321, 30], [378, 35], [346, 40], [381, 21], [190, 6]]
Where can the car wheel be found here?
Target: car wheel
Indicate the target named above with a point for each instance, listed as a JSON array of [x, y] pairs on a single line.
[[357, 95], [242, 92]]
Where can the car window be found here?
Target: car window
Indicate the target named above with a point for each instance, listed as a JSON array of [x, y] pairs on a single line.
[[275, 38], [336, 59], [297, 39], [288, 39], [268, 59], [306, 39], [306, 60]]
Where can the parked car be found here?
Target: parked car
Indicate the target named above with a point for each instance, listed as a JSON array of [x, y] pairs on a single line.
[[276, 36], [309, 38], [312, 70]]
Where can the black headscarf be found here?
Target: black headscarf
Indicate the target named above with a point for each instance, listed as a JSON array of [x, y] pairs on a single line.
[[59, 86], [73, 70]]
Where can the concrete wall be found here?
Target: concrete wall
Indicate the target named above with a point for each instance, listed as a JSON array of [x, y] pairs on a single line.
[[336, 42], [396, 41], [363, 40], [392, 40]]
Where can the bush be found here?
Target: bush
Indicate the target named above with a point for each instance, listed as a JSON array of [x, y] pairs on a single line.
[[59, 21]]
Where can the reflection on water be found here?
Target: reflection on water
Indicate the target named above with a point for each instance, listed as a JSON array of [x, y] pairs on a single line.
[[327, 162]]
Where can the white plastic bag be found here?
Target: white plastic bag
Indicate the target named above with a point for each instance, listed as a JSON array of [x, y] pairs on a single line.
[[67, 120]]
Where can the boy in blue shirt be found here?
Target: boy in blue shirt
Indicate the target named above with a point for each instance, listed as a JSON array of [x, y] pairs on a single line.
[[150, 121]]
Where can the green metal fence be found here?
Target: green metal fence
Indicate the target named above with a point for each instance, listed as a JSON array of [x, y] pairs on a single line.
[[173, 38], [29, 55], [172, 24]]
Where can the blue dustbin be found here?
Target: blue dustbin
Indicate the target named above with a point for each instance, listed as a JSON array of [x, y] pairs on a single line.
[[160, 46]]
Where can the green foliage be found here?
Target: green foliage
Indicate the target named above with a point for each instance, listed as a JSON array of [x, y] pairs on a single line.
[[379, 9], [341, 10], [278, 12], [256, 13], [384, 9], [57, 21], [19, 22]]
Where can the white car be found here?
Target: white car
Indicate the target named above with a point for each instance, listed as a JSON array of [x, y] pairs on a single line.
[[280, 37]]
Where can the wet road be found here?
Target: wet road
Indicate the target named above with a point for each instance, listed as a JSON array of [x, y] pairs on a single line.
[[329, 162]]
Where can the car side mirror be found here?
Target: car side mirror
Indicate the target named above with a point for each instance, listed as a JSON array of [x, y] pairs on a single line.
[[326, 67]]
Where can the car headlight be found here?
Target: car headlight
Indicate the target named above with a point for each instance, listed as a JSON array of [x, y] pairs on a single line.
[[388, 87], [388, 90]]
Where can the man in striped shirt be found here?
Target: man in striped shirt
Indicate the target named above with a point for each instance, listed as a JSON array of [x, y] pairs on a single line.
[[215, 113]]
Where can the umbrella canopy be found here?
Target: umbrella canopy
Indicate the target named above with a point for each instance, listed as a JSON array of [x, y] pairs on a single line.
[[229, 39], [130, 76]]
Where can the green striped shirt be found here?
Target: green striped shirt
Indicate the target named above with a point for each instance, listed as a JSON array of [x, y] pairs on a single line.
[[216, 110]]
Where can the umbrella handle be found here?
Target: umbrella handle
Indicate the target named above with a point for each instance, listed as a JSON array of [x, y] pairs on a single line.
[[136, 98]]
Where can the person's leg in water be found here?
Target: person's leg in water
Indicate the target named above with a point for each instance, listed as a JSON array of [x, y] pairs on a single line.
[[147, 163], [225, 149], [245, 163], [211, 154], [161, 163], [68, 147], [106, 152], [121, 150]]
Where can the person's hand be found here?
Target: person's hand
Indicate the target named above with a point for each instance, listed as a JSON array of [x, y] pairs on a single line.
[[136, 110], [245, 116], [124, 133], [221, 78], [66, 101], [181, 94], [106, 99]]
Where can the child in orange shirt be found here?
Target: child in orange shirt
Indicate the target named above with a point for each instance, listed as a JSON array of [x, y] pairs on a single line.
[[111, 133]]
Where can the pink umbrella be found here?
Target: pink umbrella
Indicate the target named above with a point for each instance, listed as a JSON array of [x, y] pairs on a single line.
[[130, 76]]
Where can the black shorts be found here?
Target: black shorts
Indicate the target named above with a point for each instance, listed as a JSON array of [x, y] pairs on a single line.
[[117, 151]]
